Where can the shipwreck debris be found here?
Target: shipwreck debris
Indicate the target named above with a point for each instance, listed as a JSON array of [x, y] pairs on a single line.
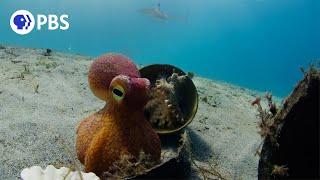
[[291, 148]]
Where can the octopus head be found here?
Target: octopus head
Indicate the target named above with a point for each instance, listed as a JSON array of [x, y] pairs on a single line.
[[128, 92], [105, 68]]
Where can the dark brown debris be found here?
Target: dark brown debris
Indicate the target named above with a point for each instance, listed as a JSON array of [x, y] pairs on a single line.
[[291, 147]]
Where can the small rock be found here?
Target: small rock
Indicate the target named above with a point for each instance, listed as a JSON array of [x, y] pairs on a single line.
[[48, 52], [205, 99]]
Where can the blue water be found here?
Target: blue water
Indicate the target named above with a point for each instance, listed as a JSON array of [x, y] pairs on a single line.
[[259, 44]]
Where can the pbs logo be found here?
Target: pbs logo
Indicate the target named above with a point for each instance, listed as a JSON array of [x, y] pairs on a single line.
[[23, 22]]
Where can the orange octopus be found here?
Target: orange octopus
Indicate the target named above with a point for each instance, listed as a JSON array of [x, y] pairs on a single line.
[[120, 128]]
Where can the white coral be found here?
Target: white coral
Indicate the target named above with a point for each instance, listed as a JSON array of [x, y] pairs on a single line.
[[52, 173]]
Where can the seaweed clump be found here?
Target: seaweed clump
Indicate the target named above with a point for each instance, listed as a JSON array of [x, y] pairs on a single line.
[[265, 115], [163, 108], [174, 162], [130, 166]]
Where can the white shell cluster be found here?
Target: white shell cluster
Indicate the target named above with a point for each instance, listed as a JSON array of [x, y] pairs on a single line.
[[52, 173]]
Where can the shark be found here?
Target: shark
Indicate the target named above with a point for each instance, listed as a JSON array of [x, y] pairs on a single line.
[[155, 12]]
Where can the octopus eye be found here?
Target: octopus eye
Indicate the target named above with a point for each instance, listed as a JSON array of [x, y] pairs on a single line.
[[118, 93]]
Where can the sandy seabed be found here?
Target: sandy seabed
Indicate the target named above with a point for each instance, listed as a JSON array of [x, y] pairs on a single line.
[[42, 99]]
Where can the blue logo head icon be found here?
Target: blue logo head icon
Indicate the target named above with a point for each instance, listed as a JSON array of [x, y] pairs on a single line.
[[22, 22]]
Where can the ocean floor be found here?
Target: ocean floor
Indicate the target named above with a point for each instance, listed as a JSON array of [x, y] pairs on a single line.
[[42, 99]]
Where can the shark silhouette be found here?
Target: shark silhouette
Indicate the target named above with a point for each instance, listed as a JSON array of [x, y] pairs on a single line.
[[159, 14], [155, 12]]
